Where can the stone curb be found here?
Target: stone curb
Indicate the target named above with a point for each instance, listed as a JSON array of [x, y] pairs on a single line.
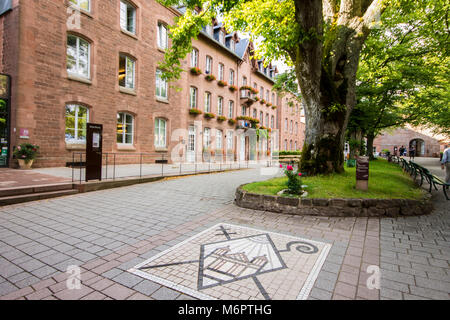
[[334, 207]]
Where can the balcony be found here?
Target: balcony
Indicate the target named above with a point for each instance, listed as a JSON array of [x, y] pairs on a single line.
[[247, 97]]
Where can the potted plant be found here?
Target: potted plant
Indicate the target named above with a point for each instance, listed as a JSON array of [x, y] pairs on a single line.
[[222, 83], [262, 101], [233, 88], [195, 112], [25, 155], [231, 122], [209, 115], [221, 118], [196, 71], [210, 77], [274, 107]]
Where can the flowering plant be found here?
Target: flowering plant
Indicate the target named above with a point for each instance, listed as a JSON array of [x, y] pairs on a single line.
[[196, 71], [294, 182], [26, 151], [195, 112], [210, 77], [222, 83], [233, 88]]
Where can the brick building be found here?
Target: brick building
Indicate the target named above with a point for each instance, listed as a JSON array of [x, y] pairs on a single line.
[[291, 123], [425, 145], [77, 61]]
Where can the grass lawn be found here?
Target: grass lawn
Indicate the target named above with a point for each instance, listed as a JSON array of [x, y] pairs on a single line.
[[386, 181]]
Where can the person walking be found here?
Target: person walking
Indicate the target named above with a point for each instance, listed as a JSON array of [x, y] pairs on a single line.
[[402, 151], [412, 153], [445, 164]]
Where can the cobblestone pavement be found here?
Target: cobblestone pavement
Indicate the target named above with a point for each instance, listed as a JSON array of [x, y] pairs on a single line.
[[108, 232]]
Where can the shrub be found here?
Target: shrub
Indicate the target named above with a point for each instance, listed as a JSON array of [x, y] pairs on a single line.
[[26, 151], [294, 182]]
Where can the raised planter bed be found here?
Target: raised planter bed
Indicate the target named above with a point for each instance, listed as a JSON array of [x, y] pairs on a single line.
[[333, 207]]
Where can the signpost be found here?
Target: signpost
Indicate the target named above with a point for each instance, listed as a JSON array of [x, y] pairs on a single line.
[[94, 149], [362, 173]]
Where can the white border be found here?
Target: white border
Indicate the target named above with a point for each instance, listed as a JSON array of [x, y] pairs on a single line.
[[304, 292]]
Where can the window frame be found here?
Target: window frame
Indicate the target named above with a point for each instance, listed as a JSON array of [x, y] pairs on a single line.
[[158, 81], [78, 43], [166, 40], [76, 117], [158, 131], [77, 5], [207, 102], [221, 70], [230, 109], [209, 65], [128, 5], [194, 58], [231, 75], [220, 106], [193, 102], [128, 58], [124, 123]]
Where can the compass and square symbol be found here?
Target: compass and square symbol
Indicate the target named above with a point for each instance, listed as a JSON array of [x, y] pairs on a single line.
[[235, 262]]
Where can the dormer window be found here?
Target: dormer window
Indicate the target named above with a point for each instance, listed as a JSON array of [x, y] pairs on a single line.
[[221, 37], [232, 45], [209, 30]]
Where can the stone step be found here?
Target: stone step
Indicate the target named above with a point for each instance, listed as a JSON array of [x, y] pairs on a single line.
[[16, 191], [35, 196]]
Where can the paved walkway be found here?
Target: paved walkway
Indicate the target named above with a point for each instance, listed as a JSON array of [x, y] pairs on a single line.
[[109, 232], [13, 178]]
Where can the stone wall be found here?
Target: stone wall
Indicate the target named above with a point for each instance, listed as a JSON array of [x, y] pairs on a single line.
[[334, 207]]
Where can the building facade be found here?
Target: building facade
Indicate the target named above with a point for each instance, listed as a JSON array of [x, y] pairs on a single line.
[[424, 145], [78, 61]]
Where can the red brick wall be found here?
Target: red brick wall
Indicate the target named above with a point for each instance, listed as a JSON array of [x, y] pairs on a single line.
[[44, 88], [291, 113]]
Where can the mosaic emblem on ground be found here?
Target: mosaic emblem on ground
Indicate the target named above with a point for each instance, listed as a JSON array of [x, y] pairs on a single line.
[[234, 262]]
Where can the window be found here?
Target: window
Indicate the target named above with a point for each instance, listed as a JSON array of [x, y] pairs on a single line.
[[161, 85], [230, 109], [267, 95], [124, 128], [220, 106], [127, 17], [194, 58], [221, 68], [209, 30], [208, 65], [261, 118], [290, 145], [207, 102], [230, 140], [221, 37], [295, 146], [82, 4], [243, 110], [78, 55], [206, 138], [267, 120], [272, 120], [160, 133], [273, 98], [296, 128], [76, 119], [291, 126], [285, 144], [162, 36], [232, 45], [286, 125], [244, 81], [126, 72], [261, 93], [193, 98], [231, 77], [255, 113], [219, 135]]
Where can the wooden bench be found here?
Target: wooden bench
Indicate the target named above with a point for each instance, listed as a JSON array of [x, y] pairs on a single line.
[[431, 179]]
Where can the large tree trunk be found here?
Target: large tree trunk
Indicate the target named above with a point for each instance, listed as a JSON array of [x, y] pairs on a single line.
[[326, 72], [370, 138]]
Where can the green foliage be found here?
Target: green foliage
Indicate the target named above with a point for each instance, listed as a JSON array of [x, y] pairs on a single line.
[[403, 73], [294, 183], [26, 151]]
